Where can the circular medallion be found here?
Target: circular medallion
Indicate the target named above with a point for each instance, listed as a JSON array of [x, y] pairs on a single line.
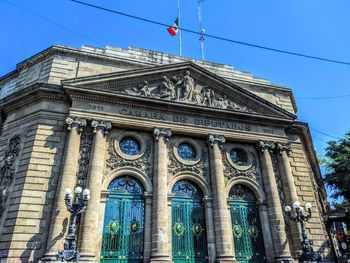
[[130, 146], [197, 229], [237, 231], [134, 227], [186, 151], [179, 229], [253, 231], [113, 227]]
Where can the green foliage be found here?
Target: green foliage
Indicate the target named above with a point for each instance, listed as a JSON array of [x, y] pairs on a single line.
[[337, 164]]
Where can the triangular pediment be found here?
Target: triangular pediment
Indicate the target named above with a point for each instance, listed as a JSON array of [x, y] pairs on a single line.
[[183, 84]]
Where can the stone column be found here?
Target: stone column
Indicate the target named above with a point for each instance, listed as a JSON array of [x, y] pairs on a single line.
[[147, 228], [264, 218], [160, 220], [283, 152], [68, 179], [222, 225], [210, 229], [89, 250], [275, 212]]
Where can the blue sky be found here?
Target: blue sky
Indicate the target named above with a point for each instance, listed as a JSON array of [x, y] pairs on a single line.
[[315, 27]]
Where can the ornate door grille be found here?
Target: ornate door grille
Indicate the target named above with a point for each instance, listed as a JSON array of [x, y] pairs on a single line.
[[188, 224], [246, 226], [123, 230]]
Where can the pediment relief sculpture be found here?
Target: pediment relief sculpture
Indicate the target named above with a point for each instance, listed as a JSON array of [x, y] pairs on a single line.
[[183, 89]]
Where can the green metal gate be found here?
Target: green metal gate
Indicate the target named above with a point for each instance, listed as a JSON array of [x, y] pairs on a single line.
[[246, 226], [123, 229], [188, 224]]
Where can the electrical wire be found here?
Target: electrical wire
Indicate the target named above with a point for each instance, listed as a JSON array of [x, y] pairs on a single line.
[[323, 133], [214, 36], [323, 98]]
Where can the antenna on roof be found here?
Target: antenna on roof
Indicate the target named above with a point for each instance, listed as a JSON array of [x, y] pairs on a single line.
[[201, 28]]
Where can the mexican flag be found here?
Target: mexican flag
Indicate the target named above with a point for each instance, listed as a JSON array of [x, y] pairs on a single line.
[[174, 28]]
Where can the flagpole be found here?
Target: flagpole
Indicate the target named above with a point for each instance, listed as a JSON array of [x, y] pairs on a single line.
[[201, 28], [180, 33]]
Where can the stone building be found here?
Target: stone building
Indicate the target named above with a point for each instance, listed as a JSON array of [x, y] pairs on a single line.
[[186, 161]]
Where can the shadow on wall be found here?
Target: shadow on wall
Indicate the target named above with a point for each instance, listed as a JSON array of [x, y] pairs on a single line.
[[36, 245]]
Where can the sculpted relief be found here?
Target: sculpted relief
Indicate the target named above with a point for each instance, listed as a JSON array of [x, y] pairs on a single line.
[[184, 89]]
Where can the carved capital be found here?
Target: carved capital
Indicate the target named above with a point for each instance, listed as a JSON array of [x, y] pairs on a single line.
[[162, 133], [216, 139], [79, 123], [283, 147], [104, 126], [262, 146]]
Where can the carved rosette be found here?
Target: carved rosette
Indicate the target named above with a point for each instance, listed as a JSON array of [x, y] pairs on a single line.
[[7, 169], [280, 148], [76, 122], [84, 158], [216, 139], [262, 146], [114, 160], [162, 133], [101, 125]]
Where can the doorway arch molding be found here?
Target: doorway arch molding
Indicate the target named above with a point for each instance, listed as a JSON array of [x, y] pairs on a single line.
[[128, 171], [193, 177], [251, 184]]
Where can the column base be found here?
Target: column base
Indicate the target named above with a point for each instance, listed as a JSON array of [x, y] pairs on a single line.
[[283, 259], [225, 259], [159, 259], [50, 257]]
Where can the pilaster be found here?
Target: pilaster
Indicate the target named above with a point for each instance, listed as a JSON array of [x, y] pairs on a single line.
[[160, 217], [224, 240], [60, 216], [88, 249], [275, 212]]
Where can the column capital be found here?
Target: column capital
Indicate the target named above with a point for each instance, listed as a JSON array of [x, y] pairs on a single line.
[[283, 148], [75, 122], [265, 145], [104, 126], [216, 139], [164, 133]]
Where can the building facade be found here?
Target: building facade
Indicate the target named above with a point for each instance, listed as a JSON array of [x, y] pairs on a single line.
[[186, 161]]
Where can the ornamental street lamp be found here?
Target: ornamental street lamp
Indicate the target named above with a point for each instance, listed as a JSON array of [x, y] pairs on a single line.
[[307, 252], [80, 202]]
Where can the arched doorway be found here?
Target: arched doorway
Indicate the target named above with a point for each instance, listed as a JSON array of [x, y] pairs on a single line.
[[189, 242], [246, 226], [123, 229]]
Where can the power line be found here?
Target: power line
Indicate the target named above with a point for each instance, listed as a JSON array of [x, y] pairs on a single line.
[[214, 36], [321, 132], [50, 21], [324, 98]]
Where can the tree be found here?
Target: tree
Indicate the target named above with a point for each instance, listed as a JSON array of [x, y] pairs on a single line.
[[337, 164]]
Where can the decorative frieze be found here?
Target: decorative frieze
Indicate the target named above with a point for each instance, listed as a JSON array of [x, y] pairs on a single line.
[[216, 139], [183, 88], [7, 169], [162, 133], [79, 123], [84, 158], [104, 126]]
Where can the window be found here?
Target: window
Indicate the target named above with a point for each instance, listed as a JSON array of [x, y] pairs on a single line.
[[129, 146], [186, 152], [239, 156]]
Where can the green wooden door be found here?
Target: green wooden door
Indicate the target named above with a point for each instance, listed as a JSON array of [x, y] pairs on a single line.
[[188, 224], [246, 226], [123, 229]]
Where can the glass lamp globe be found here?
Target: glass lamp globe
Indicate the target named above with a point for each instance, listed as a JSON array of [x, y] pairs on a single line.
[[86, 192], [296, 204], [78, 190], [287, 208], [68, 191], [308, 205]]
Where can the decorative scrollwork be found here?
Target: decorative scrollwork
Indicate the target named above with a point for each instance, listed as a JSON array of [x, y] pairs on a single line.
[[114, 160], [261, 146], [79, 123], [241, 192], [216, 139], [104, 126], [7, 169], [84, 158], [284, 148], [162, 133], [125, 185], [232, 172], [187, 189]]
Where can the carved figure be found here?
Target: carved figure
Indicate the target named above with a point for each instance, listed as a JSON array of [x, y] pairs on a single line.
[[197, 96], [166, 89], [209, 96], [144, 90], [185, 87]]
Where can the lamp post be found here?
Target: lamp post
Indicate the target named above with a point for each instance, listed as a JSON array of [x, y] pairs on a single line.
[[307, 252], [80, 202]]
